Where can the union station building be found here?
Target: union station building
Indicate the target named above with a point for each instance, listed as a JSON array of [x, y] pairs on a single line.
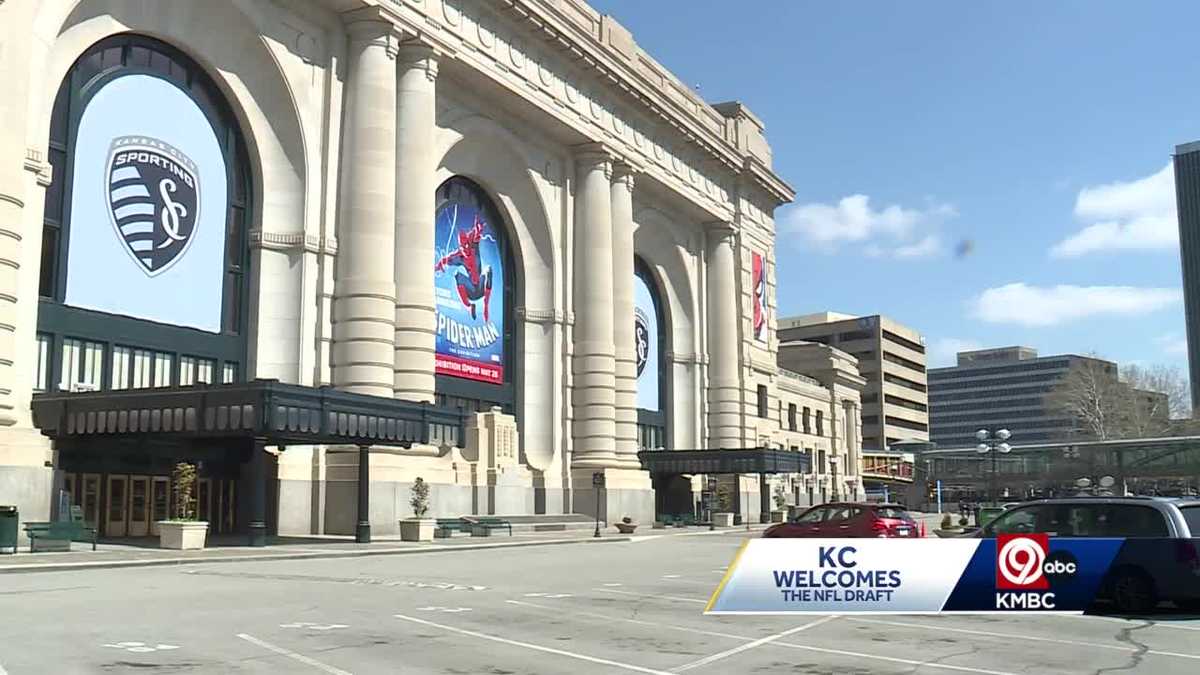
[[323, 248]]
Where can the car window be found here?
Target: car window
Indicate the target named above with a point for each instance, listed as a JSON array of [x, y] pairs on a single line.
[[892, 512], [812, 516], [1081, 520], [1131, 520], [837, 514], [1191, 515], [1018, 521]]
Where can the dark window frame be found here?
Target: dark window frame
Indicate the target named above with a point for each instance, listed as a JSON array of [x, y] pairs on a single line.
[[97, 66]]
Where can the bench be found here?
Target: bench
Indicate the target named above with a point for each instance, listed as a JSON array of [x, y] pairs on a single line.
[[58, 536], [482, 527], [446, 527]]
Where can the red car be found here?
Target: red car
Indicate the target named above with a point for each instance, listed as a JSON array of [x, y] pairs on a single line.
[[848, 520]]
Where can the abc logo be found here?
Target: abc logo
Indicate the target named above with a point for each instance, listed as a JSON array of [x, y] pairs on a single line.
[[1023, 562]]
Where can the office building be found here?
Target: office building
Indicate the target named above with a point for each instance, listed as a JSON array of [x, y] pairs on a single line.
[[891, 358], [1187, 202], [1000, 388]]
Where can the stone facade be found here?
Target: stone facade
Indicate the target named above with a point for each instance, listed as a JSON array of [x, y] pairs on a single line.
[[354, 112]]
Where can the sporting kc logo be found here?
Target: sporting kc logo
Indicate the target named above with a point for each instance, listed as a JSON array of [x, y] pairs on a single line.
[[641, 334], [153, 200], [1020, 561]]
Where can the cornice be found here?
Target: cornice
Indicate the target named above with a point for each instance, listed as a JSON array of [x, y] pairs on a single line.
[[292, 241]]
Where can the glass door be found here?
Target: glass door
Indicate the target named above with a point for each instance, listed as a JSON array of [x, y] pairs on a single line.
[[117, 507], [89, 498], [139, 506], [159, 500]]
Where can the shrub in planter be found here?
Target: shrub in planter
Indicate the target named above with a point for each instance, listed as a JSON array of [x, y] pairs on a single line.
[[418, 528], [947, 522], [184, 531]]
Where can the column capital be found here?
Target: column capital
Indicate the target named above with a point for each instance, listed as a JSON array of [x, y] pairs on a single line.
[[720, 230], [368, 28], [417, 54], [595, 155], [625, 173]]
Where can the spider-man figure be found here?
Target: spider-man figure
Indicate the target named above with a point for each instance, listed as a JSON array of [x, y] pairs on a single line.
[[473, 284]]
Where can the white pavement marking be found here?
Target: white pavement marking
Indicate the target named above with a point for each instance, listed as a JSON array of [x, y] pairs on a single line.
[[789, 645], [1116, 619], [449, 610], [140, 647], [670, 576], [3, 671], [1013, 636], [612, 584], [651, 595], [313, 626], [293, 655], [548, 595], [540, 648], [751, 645]]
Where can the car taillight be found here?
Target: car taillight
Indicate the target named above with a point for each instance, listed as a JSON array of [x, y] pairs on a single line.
[[880, 528]]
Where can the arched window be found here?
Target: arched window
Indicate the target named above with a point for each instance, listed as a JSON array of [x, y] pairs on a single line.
[[144, 248], [473, 285], [652, 375]]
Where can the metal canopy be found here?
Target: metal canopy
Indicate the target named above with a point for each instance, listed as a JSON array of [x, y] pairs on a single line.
[[751, 460], [266, 410]]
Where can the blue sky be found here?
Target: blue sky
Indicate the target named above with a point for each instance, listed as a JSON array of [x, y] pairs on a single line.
[[1037, 131]]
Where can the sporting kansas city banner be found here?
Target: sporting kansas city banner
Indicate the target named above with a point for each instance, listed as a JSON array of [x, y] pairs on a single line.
[[1012, 573], [468, 273], [759, 280]]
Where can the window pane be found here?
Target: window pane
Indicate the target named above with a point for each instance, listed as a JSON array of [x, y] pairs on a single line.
[[92, 370], [229, 373], [141, 368], [204, 371], [42, 377], [162, 370], [187, 371], [70, 363], [121, 360]]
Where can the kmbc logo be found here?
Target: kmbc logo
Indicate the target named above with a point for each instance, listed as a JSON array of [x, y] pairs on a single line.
[[1021, 560]]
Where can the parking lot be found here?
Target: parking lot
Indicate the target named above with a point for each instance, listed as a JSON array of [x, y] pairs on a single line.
[[612, 607]]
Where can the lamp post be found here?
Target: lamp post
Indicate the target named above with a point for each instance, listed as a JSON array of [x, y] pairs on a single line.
[[833, 463], [993, 443]]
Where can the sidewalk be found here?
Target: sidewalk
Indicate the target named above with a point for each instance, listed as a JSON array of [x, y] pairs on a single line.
[[142, 553]]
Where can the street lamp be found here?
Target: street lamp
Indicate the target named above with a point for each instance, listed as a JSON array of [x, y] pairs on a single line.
[[833, 462], [993, 443]]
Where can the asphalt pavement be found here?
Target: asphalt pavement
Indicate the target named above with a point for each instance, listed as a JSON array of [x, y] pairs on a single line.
[[633, 606]]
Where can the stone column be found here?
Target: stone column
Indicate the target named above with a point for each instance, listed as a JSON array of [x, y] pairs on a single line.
[[623, 306], [415, 203], [593, 363], [724, 315], [365, 287]]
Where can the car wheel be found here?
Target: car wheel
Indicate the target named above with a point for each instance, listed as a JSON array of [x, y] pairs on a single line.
[[1133, 593]]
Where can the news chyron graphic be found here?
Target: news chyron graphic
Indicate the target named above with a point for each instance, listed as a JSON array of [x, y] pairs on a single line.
[[149, 196], [759, 280], [468, 268], [821, 576]]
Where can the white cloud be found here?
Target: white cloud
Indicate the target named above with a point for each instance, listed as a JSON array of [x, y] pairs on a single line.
[[894, 231], [1124, 216], [930, 246], [1173, 344], [944, 351], [1026, 305]]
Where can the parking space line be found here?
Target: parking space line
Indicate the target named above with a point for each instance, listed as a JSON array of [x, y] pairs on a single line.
[[651, 595], [750, 645], [540, 648], [1117, 619], [1013, 636], [293, 655], [777, 643]]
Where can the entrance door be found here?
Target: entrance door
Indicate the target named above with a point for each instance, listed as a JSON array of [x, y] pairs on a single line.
[[89, 498], [159, 499], [139, 506], [228, 517], [117, 506], [204, 499]]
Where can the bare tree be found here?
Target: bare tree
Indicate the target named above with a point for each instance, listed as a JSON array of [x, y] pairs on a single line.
[[1092, 397], [1144, 402]]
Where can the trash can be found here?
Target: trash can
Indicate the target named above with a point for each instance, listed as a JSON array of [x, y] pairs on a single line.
[[8, 529]]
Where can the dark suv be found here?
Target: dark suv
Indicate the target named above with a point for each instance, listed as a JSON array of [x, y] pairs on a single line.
[[1163, 563]]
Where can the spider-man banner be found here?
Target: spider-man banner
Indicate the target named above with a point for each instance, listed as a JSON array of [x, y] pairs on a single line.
[[760, 297], [469, 286]]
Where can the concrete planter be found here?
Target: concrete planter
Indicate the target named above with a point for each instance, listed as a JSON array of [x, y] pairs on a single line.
[[626, 528], [417, 529], [182, 535], [721, 519], [777, 516]]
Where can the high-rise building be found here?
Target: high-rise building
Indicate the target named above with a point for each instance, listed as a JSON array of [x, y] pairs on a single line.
[[1187, 202], [891, 358], [1000, 388]]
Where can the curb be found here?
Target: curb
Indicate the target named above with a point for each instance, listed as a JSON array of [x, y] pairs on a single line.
[[308, 555]]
